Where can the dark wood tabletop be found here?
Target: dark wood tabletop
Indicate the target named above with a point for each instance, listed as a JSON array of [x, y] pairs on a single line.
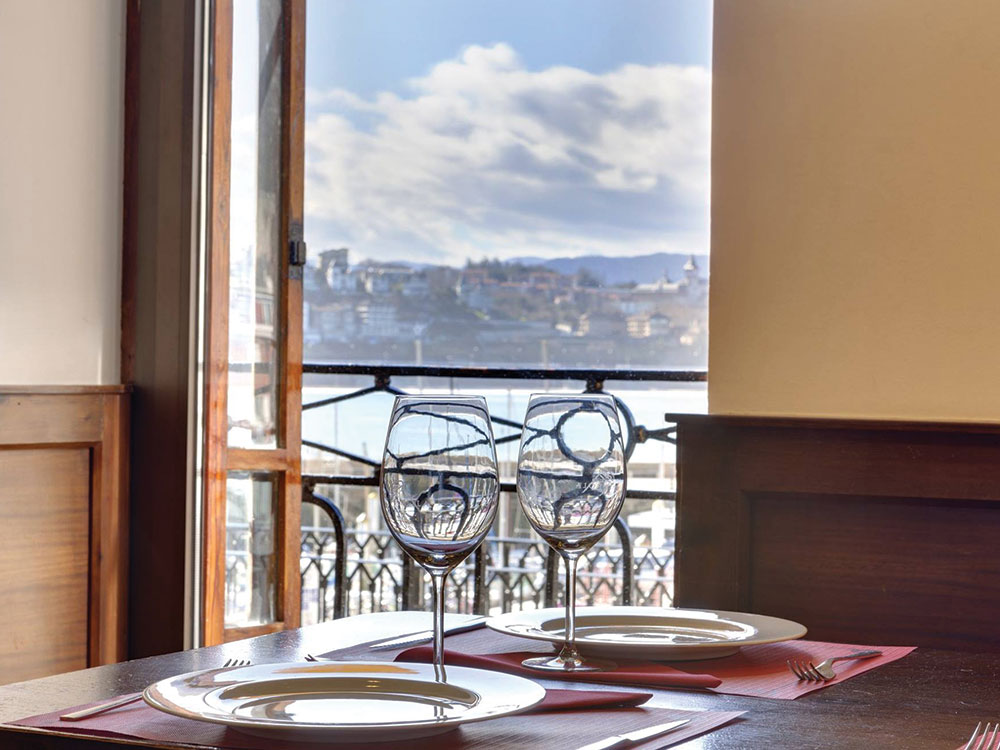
[[929, 699]]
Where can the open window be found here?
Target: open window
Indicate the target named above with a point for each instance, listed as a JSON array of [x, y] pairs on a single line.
[[253, 317]]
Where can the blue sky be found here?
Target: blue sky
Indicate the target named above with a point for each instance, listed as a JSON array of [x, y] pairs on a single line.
[[373, 45], [440, 130]]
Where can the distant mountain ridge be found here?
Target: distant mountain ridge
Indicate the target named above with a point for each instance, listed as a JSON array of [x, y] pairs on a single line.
[[640, 269]]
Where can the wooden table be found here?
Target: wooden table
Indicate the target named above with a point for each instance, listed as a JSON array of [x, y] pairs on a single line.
[[929, 699]]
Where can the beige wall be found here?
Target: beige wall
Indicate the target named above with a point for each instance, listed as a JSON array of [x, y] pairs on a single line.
[[61, 75], [856, 209]]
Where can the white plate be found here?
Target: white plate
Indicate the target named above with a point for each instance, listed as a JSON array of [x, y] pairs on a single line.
[[651, 632], [343, 701]]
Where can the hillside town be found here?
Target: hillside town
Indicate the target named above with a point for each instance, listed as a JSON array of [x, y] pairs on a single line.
[[493, 312]]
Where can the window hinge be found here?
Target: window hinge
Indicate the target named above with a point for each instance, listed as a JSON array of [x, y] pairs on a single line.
[[297, 252], [296, 258]]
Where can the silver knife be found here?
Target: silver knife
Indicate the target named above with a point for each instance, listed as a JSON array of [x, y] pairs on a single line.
[[423, 636], [631, 738]]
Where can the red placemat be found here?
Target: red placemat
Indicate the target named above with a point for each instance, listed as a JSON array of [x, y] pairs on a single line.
[[760, 671], [757, 671], [553, 729]]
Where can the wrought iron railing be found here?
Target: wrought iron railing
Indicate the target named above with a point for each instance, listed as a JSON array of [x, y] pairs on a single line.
[[347, 570]]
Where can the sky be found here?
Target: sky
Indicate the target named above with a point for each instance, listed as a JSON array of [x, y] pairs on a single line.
[[441, 130]]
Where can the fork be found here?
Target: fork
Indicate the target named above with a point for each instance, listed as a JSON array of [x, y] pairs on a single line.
[[823, 672], [100, 708], [986, 741]]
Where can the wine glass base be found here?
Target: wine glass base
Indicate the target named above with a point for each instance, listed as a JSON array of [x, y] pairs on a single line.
[[560, 664]]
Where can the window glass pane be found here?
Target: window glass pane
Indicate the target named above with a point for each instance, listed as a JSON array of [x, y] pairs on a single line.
[[254, 255], [251, 562]]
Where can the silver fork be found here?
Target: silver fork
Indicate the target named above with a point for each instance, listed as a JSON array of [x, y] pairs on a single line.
[[985, 740], [100, 708], [823, 672]]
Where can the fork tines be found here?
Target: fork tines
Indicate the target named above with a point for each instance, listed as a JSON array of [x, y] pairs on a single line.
[[984, 741], [805, 671]]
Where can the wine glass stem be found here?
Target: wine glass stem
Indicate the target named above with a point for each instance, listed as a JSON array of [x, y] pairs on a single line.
[[569, 648], [437, 581]]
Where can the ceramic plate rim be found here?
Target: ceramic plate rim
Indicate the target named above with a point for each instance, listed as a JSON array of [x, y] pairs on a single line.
[[149, 695], [793, 630]]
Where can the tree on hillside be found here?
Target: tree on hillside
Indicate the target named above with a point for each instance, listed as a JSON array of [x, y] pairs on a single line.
[[587, 278]]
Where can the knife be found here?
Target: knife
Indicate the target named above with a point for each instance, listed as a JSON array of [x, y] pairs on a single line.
[[630, 738], [423, 636]]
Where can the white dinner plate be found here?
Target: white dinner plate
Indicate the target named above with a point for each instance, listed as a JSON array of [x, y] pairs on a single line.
[[343, 701], [654, 633]]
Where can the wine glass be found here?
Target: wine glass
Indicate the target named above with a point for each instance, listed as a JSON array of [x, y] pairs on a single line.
[[439, 486], [571, 484]]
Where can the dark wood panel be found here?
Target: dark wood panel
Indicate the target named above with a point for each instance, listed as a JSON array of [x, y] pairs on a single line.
[[44, 551], [862, 531], [899, 571]]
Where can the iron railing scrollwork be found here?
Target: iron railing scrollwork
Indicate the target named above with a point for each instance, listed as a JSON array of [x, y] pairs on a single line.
[[367, 572]]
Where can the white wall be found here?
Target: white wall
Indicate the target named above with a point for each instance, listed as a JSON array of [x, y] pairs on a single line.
[[856, 209], [61, 76]]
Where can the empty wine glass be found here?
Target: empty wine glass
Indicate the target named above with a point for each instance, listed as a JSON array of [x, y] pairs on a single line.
[[571, 484], [439, 486]]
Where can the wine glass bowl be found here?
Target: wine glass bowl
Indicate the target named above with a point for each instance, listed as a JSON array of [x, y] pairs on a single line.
[[439, 486], [571, 481]]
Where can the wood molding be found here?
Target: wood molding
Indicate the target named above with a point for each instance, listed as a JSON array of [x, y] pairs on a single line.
[[213, 539], [863, 531], [130, 194], [883, 425], [159, 295], [49, 422], [293, 195], [35, 390]]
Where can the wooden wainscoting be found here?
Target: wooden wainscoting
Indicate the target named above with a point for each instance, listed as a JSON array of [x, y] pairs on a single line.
[[63, 528], [866, 532]]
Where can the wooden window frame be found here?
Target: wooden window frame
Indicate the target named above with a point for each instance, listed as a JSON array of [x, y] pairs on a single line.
[[219, 458]]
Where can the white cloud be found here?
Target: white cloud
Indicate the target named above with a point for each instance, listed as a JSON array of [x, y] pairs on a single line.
[[484, 157]]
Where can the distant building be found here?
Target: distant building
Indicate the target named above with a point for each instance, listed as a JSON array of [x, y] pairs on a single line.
[[337, 321], [378, 319], [638, 326], [659, 325], [475, 289], [547, 279], [386, 279], [488, 311], [692, 284], [336, 271], [417, 285], [693, 334], [602, 325]]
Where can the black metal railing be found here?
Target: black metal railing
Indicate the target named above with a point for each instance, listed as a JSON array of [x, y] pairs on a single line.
[[347, 570]]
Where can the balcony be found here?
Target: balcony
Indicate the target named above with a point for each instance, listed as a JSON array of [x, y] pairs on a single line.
[[351, 565]]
